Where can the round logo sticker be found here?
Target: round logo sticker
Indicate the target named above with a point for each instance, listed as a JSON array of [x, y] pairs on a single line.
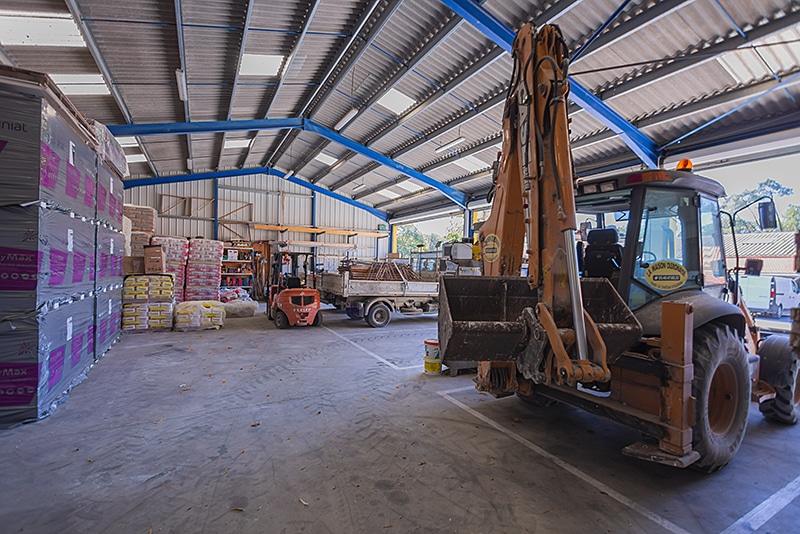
[[491, 248], [666, 275]]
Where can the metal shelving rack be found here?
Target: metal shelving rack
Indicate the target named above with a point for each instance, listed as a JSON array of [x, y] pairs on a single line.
[[237, 267]]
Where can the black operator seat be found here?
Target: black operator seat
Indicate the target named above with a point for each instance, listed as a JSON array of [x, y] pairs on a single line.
[[603, 255]]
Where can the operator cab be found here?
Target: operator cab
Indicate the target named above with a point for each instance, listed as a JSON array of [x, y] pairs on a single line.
[[668, 229]]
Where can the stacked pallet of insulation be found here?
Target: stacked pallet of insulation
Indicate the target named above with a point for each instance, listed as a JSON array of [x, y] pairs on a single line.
[[204, 269], [47, 246]]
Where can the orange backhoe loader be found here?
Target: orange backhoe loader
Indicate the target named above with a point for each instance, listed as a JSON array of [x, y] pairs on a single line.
[[636, 320]]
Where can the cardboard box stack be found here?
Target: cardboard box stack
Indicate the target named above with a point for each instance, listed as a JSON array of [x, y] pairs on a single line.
[[176, 252], [154, 260], [143, 226], [147, 303], [49, 221], [204, 269]]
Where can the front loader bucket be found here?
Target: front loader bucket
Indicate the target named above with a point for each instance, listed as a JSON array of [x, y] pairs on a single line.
[[480, 317]]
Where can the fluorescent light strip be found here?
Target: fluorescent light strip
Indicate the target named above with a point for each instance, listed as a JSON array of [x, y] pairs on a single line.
[[183, 90], [450, 145], [346, 119]]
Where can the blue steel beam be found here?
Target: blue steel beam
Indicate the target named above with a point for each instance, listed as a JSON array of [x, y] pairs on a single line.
[[491, 27], [788, 81], [142, 182], [185, 128], [456, 196], [179, 128]]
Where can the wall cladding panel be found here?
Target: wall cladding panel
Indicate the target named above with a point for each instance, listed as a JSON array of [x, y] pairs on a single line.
[[259, 199]]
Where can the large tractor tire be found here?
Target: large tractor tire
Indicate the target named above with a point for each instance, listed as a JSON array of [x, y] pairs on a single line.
[[317, 319], [378, 315], [779, 370], [721, 388]]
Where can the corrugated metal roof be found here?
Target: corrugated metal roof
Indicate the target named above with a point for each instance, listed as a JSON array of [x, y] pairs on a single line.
[[762, 244], [672, 68]]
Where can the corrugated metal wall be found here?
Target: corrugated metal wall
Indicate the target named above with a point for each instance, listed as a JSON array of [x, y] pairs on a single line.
[[187, 209]]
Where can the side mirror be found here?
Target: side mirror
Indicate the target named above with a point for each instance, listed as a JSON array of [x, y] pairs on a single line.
[[766, 215]]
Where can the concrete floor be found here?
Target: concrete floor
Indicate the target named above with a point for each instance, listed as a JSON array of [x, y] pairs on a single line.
[[337, 429]]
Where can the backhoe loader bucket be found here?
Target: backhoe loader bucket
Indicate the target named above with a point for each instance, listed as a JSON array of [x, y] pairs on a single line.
[[480, 317]]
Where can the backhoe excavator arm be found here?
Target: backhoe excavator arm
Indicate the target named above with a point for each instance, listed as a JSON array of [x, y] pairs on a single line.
[[548, 335]]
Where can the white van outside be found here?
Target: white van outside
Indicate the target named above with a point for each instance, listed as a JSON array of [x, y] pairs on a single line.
[[770, 295]]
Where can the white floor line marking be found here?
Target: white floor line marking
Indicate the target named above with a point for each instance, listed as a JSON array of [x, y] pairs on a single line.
[[620, 498], [755, 518], [362, 349], [420, 366], [456, 390]]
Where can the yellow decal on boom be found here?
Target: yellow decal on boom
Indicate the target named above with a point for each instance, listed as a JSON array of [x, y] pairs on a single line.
[[666, 275], [491, 248]]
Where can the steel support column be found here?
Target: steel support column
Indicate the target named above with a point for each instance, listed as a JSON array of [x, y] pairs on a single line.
[[216, 208]]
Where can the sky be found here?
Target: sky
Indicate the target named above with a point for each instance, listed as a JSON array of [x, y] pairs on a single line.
[[784, 170]]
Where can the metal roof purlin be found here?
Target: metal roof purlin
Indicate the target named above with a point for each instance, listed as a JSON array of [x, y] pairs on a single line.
[[484, 21], [599, 30], [547, 16], [91, 44], [278, 152], [384, 18], [784, 83], [242, 46], [288, 64], [695, 58], [142, 182], [182, 54]]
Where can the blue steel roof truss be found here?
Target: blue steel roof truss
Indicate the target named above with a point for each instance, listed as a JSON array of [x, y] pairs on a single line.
[[491, 27]]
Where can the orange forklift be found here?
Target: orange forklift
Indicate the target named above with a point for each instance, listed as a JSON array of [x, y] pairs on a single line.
[[290, 299]]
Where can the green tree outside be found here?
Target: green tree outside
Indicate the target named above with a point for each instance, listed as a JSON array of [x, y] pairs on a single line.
[[747, 220]]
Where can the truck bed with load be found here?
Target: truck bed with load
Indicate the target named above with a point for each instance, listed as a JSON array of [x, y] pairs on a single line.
[[374, 300]]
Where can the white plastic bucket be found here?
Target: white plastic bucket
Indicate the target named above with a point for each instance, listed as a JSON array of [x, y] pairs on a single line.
[[433, 362]]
